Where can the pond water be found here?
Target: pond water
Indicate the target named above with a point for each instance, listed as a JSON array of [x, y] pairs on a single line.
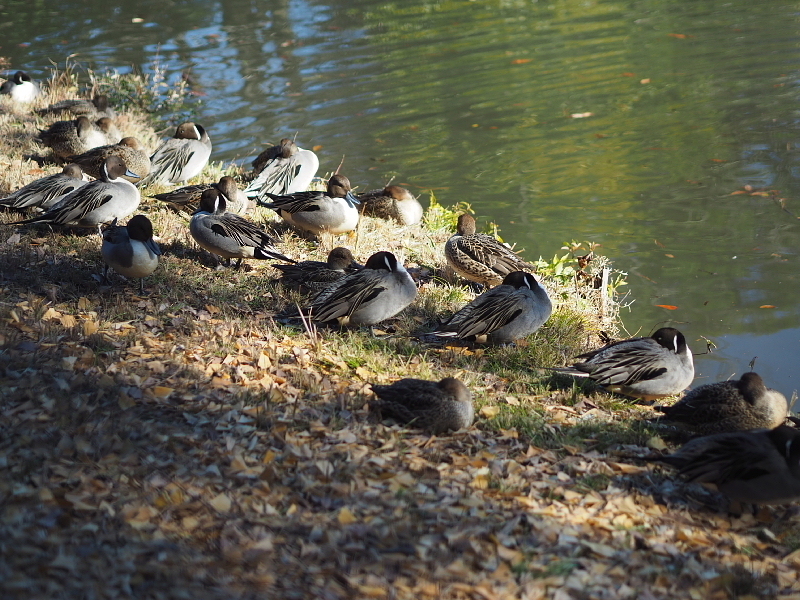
[[663, 130]]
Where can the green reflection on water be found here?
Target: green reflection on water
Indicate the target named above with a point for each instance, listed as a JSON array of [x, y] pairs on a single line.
[[688, 102]]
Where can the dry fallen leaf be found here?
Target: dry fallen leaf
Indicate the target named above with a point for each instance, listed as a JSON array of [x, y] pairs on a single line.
[[346, 516], [489, 411], [221, 502]]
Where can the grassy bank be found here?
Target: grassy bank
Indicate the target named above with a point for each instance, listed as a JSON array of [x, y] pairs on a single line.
[[188, 444]]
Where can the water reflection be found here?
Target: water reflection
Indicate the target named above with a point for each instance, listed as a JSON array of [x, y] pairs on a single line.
[[682, 106]]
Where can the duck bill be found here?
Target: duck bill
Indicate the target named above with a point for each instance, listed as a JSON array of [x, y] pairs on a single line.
[[352, 200], [131, 174], [153, 246]]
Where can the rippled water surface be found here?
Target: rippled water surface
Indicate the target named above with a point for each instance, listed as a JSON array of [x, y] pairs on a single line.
[[663, 130]]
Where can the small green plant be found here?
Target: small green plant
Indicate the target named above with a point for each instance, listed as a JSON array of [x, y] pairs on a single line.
[[559, 268], [439, 217]]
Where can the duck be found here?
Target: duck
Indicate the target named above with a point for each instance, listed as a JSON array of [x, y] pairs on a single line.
[[228, 235], [436, 407], [392, 203], [67, 138], [20, 88], [95, 108], [479, 257], [506, 313], [373, 294], [647, 368], [187, 199], [334, 211], [109, 129], [757, 467], [728, 406], [314, 275], [282, 169], [43, 193], [130, 250], [128, 148], [181, 157], [98, 202]]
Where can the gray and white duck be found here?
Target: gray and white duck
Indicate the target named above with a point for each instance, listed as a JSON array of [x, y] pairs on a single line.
[[98, 202], [43, 193], [645, 367], [506, 313], [479, 257], [379, 291], [229, 235], [20, 88], [436, 407], [130, 249], [334, 211], [282, 169], [181, 157], [727, 406]]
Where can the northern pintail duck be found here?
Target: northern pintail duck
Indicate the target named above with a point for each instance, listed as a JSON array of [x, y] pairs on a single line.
[[228, 235], [504, 314], [315, 275], [181, 157], [644, 367], [393, 203], [95, 108], [109, 128], [436, 407], [334, 211], [128, 149], [728, 406], [479, 257], [67, 138], [283, 169], [757, 467], [45, 192], [98, 202], [131, 250], [377, 292], [187, 199], [20, 88]]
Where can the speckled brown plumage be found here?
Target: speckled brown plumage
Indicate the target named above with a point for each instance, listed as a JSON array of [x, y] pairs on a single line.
[[314, 275], [393, 203], [434, 407], [728, 406], [759, 467], [128, 149], [187, 198], [479, 257]]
